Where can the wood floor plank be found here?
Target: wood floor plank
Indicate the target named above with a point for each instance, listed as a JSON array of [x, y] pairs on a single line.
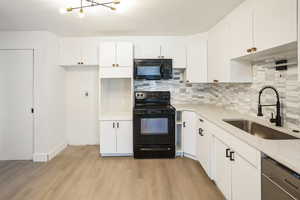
[[80, 174]]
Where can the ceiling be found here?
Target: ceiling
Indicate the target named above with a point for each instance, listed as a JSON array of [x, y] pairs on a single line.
[[134, 17]]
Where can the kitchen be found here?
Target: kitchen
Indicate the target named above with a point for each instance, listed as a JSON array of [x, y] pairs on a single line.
[[100, 104]]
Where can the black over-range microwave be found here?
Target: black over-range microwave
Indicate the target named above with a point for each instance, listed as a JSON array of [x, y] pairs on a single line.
[[153, 69]]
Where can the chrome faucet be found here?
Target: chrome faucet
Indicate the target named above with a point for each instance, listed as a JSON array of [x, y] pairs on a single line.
[[277, 120]]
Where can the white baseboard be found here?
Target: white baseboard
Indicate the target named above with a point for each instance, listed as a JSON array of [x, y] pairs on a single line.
[[40, 157], [189, 156], [57, 150], [45, 157]]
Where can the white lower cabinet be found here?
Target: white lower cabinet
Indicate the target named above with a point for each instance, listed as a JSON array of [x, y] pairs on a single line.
[[204, 149], [116, 138], [189, 133], [236, 177], [222, 168], [124, 137], [245, 180]]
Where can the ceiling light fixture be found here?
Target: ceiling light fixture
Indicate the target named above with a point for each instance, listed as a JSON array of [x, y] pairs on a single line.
[[91, 3]]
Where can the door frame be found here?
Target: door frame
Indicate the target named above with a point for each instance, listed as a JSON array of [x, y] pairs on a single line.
[[34, 96]]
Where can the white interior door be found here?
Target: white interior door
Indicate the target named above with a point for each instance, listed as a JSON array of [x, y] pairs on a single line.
[[82, 105], [16, 101]]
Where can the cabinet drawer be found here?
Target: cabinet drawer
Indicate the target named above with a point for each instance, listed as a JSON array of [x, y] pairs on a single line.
[[244, 150], [115, 72]]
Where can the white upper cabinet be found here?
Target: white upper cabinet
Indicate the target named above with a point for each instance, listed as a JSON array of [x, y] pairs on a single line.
[[78, 51], [241, 29], [196, 71], [107, 54], [170, 49], [89, 51], [124, 54], [258, 25], [177, 52], [275, 23], [219, 53], [116, 54], [147, 49]]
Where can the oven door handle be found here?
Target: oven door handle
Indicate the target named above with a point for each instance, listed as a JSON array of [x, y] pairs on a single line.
[[155, 149]]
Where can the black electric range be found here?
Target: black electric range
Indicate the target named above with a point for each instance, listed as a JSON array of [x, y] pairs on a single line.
[[153, 125]]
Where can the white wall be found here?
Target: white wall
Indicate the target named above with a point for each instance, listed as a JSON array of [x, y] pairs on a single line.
[[82, 111], [49, 88]]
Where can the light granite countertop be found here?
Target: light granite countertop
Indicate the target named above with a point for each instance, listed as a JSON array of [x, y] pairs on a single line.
[[286, 152]]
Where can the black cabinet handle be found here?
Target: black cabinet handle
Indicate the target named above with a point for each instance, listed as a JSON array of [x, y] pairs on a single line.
[[78, 63], [227, 153], [114, 125], [117, 124], [232, 156], [201, 131], [201, 120], [183, 124]]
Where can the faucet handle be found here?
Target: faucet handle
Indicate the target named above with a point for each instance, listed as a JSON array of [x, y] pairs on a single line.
[[272, 120]]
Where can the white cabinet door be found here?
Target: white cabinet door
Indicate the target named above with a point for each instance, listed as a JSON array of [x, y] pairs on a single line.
[[124, 137], [196, 71], [241, 29], [124, 54], [147, 50], [108, 137], [107, 54], [89, 52], [70, 51], [298, 39], [245, 180], [177, 52], [189, 133], [204, 149], [219, 53], [222, 168], [275, 23]]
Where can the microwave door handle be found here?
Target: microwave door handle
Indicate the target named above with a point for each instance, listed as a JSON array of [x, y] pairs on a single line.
[[161, 70]]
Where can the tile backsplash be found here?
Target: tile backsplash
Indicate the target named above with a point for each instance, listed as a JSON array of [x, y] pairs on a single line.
[[242, 97]]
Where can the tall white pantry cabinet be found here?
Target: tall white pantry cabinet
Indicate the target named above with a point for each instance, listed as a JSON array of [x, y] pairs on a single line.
[[115, 98]]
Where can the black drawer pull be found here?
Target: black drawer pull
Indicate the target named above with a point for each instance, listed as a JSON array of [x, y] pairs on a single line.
[[232, 156], [201, 131], [227, 153]]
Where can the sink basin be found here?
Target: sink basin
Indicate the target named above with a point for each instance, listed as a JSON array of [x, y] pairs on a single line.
[[259, 130]]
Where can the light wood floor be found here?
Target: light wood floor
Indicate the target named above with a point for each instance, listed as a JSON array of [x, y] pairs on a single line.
[[79, 174]]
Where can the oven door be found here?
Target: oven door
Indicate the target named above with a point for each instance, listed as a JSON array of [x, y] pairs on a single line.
[[156, 129]]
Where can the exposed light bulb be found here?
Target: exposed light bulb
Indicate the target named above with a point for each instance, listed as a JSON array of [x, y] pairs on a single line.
[[63, 10], [116, 1], [112, 8], [81, 13]]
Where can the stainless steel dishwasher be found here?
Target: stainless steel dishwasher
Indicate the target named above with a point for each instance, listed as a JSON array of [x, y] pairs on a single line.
[[278, 181]]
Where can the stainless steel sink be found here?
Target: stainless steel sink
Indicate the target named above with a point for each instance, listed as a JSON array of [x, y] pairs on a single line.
[[259, 130]]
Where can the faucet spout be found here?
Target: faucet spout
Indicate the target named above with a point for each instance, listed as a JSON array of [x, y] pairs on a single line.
[[278, 120]]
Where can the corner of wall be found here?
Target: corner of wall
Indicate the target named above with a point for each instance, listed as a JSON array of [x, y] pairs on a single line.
[[45, 157]]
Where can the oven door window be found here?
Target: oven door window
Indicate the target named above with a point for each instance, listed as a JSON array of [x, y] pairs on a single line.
[[149, 71], [154, 126]]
